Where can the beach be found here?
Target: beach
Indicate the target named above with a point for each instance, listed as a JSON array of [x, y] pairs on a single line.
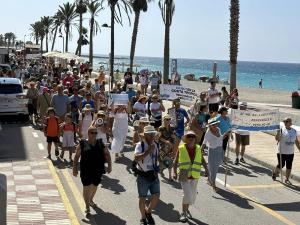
[[255, 95]]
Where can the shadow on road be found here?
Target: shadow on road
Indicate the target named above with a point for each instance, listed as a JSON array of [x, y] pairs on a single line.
[[112, 185], [102, 217], [233, 199], [287, 207], [127, 162], [3, 198], [166, 212]]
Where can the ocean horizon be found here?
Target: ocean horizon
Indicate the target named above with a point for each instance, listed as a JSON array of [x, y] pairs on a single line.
[[280, 76]]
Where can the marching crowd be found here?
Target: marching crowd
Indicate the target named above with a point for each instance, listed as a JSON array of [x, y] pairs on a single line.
[[76, 115]]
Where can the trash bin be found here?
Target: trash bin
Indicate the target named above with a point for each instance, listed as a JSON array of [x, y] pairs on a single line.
[[296, 102]]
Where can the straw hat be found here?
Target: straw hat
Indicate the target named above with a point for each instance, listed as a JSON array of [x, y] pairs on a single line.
[[142, 97], [87, 107], [190, 132], [167, 117], [144, 120], [155, 96], [212, 121], [101, 112], [149, 130]]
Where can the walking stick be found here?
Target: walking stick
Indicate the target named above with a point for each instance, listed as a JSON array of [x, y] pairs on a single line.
[[226, 168]]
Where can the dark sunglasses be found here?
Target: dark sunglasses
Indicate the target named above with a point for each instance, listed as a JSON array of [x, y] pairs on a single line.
[[190, 136], [94, 132]]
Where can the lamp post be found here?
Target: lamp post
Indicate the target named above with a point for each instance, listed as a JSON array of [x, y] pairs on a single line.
[[111, 55], [61, 36]]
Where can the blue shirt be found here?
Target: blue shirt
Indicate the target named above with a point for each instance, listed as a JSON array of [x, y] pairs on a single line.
[[131, 94], [180, 115], [91, 102], [60, 104], [225, 124]]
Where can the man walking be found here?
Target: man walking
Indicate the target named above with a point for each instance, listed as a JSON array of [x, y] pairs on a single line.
[[146, 153]]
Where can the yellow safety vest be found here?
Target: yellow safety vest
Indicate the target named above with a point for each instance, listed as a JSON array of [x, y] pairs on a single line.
[[185, 161]]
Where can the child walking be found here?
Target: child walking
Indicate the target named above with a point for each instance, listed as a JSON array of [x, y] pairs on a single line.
[[69, 130], [51, 131]]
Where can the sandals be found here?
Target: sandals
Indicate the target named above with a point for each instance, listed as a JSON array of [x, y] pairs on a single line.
[[287, 181], [93, 205]]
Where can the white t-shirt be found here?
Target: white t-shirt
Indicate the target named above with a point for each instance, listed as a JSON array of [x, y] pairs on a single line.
[[148, 162], [86, 123], [287, 142], [155, 106], [140, 106], [213, 99], [213, 141]]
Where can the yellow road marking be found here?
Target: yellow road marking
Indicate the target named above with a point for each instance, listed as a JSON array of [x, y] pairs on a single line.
[[258, 186], [256, 203], [264, 208], [63, 195]]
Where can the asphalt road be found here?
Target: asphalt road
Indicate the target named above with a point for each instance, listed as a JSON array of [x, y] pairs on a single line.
[[251, 197]]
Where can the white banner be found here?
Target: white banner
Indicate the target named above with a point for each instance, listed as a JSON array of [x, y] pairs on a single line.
[[255, 120], [118, 99], [171, 92]]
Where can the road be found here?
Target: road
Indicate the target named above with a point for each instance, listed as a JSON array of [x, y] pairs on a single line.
[[251, 197]]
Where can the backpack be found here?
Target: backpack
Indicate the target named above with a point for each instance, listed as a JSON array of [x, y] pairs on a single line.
[[134, 163]]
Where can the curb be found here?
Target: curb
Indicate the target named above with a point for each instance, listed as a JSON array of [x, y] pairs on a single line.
[[265, 164]]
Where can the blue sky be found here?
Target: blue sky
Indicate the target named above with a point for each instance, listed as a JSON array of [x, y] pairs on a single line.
[[269, 29]]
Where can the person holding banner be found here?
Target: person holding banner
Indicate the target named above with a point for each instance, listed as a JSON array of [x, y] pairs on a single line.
[[140, 107], [287, 139], [214, 140]]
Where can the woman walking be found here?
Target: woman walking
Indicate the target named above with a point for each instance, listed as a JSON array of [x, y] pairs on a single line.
[[156, 108], [224, 125], [119, 130], [214, 140], [287, 139], [189, 158]]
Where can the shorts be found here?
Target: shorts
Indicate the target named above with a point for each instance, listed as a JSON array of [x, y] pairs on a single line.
[[31, 109], [242, 139], [52, 139], [145, 185], [89, 179], [286, 160]]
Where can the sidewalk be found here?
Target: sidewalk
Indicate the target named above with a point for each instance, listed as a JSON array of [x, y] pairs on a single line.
[[32, 195]]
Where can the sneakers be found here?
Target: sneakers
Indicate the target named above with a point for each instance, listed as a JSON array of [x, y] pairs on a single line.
[[56, 152], [143, 222], [236, 161], [150, 219], [183, 218], [242, 160]]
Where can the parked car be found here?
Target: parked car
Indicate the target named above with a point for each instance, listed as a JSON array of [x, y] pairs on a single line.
[[13, 100], [5, 67]]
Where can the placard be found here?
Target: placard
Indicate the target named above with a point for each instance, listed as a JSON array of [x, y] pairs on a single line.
[[118, 99], [171, 92], [251, 120], [172, 114]]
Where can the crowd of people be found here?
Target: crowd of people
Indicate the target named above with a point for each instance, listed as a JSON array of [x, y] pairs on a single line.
[[76, 115]]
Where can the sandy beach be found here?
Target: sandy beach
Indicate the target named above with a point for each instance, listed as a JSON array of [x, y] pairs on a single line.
[[247, 94]]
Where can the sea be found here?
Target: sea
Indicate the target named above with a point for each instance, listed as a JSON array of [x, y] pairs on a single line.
[[276, 76]]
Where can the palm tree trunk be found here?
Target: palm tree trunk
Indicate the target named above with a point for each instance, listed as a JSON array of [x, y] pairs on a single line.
[[42, 42], [112, 44], [134, 36], [78, 49], [234, 36], [54, 38], [36, 39], [91, 41], [47, 43], [67, 38], [167, 45]]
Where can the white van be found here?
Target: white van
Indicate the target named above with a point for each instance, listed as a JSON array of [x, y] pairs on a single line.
[[13, 100]]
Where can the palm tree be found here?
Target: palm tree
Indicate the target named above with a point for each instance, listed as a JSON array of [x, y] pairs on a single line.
[[167, 8], [94, 8], [35, 31], [10, 39], [68, 13], [2, 40], [57, 21], [234, 38], [46, 22], [115, 15], [81, 8], [137, 6]]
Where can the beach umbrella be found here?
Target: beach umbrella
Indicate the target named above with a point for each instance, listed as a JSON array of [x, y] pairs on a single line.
[[51, 54]]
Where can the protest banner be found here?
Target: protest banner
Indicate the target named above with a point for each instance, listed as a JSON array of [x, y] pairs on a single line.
[[172, 114], [171, 92], [255, 120], [118, 99]]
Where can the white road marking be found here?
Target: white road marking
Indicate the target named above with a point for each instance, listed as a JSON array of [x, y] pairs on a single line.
[[35, 134], [41, 146], [30, 126]]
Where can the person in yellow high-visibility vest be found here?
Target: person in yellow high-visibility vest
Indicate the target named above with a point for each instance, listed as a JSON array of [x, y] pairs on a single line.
[[189, 158]]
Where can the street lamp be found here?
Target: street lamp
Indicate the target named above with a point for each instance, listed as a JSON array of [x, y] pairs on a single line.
[[61, 36], [111, 55]]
